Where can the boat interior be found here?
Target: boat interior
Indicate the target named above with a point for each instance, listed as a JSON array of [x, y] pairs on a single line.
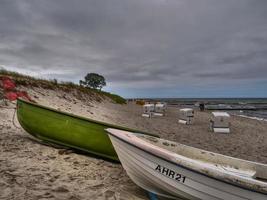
[[219, 162]]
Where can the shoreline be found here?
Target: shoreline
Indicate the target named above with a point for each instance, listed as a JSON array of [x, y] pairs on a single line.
[[254, 118]]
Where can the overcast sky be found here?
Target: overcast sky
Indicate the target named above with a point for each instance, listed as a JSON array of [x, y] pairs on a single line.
[[144, 48]]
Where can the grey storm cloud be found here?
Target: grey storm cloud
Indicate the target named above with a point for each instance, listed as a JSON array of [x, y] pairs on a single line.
[[134, 42]]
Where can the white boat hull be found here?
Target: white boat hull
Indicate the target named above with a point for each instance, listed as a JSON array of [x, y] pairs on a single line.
[[168, 179]]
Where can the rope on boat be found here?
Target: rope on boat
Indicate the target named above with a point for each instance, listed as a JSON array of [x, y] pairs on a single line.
[[13, 118], [14, 115]]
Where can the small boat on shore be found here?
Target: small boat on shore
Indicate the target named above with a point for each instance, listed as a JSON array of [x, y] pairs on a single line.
[[67, 130], [178, 171]]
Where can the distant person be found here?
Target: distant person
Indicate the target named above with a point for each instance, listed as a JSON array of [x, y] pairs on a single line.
[[201, 106]]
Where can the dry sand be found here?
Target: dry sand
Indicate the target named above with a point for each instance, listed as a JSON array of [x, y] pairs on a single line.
[[30, 170]]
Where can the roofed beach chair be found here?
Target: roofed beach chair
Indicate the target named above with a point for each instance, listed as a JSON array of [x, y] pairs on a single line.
[[160, 109], [220, 122], [186, 116], [148, 109]]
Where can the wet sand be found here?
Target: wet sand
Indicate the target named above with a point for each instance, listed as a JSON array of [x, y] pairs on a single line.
[[30, 170]]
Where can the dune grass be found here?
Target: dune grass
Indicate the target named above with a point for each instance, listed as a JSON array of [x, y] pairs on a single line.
[[52, 84]]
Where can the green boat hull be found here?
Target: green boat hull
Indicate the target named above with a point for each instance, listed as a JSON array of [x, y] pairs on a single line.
[[68, 130]]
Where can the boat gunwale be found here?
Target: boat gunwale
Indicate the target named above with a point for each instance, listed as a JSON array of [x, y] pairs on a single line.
[[82, 118], [187, 168]]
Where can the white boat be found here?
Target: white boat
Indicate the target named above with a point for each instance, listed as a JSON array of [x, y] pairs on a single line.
[[178, 171]]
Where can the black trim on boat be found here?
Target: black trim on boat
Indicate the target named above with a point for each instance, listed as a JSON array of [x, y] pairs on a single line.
[[246, 188]]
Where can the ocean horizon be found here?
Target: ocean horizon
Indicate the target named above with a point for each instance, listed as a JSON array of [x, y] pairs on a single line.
[[208, 99]]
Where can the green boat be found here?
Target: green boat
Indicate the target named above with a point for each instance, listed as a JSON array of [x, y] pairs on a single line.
[[67, 130]]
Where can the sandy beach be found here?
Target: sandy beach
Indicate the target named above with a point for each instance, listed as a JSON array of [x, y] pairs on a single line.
[[30, 170]]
